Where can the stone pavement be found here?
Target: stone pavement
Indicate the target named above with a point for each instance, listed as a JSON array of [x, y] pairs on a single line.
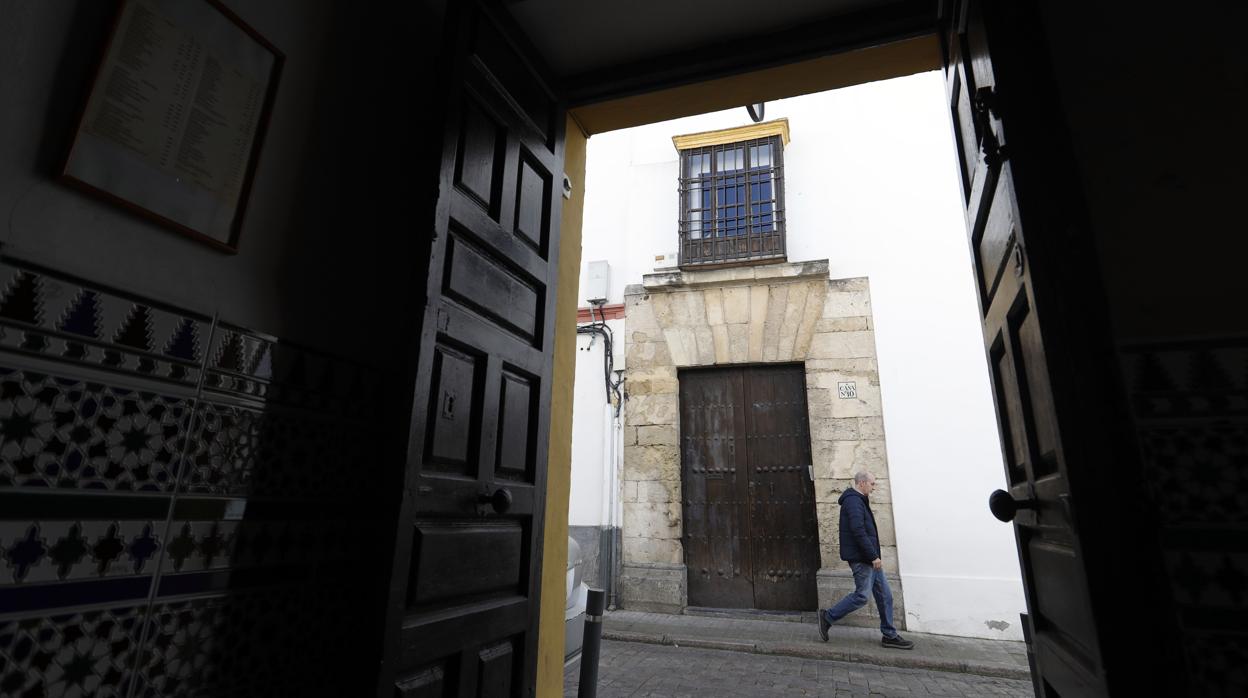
[[743, 633], [637, 669]]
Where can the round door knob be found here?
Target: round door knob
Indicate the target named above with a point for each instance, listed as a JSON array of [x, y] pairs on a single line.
[[1005, 507], [500, 501]]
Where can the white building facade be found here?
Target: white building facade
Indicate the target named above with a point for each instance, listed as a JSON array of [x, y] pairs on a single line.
[[869, 305]]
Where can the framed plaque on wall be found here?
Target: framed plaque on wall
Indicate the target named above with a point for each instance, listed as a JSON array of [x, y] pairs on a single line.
[[174, 122]]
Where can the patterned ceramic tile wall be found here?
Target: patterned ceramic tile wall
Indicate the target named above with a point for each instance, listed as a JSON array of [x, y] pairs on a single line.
[[185, 505], [1190, 402]]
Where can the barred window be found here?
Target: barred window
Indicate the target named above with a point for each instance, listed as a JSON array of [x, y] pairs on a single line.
[[732, 203]]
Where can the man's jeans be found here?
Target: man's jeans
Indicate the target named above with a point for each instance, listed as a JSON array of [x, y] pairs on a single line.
[[866, 577]]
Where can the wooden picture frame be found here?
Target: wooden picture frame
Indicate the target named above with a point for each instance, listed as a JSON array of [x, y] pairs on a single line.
[[175, 119]]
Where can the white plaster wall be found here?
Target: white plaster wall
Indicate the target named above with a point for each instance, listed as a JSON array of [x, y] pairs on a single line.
[[590, 431], [871, 185]]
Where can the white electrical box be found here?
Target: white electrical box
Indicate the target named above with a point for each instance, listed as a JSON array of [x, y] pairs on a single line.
[[598, 277], [617, 355]]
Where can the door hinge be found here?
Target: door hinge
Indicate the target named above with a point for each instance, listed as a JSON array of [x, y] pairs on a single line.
[[995, 154], [985, 103]]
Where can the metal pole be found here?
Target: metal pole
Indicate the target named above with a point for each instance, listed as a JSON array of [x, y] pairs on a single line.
[[591, 644]]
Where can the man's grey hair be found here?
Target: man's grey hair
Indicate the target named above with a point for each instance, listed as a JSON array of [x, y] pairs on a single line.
[[862, 476]]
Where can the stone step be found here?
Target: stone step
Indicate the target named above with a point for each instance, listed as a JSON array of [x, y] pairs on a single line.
[[752, 614]]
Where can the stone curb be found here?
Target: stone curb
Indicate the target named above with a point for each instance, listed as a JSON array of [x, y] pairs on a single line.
[[807, 617], [901, 659]]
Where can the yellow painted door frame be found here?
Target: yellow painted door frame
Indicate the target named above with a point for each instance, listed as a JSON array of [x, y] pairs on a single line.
[[846, 69]]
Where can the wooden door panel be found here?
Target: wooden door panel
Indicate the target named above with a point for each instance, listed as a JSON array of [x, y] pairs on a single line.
[[749, 514], [960, 90], [479, 158], [520, 200], [465, 559], [1049, 552], [783, 531], [960, 103], [1009, 411], [533, 190], [517, 412], [478, 279], [995, 239], [433, 681], [538, 114], [464, 593], [1028, 425], [497, 669], [1051, 555], [1062, 606], [974, 39], [1064, 674], [726, 576], [454, 411], [458, 628], [1061, 618], [713, 486], [1038, 400]]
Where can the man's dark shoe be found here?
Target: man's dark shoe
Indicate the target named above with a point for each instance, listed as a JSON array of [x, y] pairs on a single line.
[[823, 626], [897, 643]]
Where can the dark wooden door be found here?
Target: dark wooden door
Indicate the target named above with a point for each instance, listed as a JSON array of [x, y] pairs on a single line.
[[1021, 339], [750, 535], [715, 489], [463, 603], [784, 537]]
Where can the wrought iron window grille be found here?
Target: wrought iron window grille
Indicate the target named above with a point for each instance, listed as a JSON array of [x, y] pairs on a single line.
[[732, 203]]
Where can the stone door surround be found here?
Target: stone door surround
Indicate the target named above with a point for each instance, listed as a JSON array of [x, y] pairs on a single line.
[[791, 312]]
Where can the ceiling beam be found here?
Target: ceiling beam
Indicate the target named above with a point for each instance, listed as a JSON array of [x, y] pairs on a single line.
[[856, 30], [833, 72]]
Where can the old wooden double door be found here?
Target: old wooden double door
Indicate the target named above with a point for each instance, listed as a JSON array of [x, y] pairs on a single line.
[[750, 535], [463, 600]]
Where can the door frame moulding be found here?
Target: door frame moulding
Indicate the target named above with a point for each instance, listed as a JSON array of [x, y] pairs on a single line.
[[638, 94], [860, 48]]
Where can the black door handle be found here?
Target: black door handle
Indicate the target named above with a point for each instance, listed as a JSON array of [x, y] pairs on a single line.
[[500, 500], [1005, 507]]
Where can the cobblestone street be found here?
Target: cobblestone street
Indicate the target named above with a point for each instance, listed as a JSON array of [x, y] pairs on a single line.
[[636, 669]]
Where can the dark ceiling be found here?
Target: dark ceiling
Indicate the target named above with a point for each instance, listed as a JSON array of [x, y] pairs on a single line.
[[601, 50], [580, 36]]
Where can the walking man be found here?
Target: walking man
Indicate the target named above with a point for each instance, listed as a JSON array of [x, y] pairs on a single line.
[[860, 547]]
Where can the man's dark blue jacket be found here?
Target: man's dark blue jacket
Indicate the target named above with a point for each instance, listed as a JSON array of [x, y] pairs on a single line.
[[860, 541]]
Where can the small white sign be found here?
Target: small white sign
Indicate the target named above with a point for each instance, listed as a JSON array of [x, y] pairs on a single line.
[[847, 390]]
